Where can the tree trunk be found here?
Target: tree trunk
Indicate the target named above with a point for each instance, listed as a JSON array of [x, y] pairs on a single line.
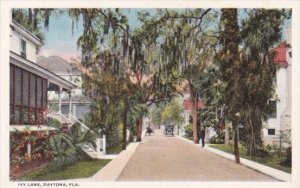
[[194, 98], [227, 132], [124, 144], [30, 16], [195, 127], [131, 135], [235, 144], [139, 129]]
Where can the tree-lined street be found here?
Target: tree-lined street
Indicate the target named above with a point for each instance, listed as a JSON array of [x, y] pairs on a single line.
[[163, 158], [192, 70]]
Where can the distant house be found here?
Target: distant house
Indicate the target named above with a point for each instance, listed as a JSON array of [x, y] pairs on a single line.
[[279, 118], [187, 113], [79, 103], [30, 82]]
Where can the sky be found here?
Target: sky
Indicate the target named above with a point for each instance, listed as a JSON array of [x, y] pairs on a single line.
[[60, 41]]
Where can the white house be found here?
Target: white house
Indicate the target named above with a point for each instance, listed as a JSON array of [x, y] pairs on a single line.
[[79, 103], [29, 82], [279, 120], [30, 86], [187, 111]]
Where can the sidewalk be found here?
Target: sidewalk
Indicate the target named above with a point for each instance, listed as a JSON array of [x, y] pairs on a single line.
[[280, 175]]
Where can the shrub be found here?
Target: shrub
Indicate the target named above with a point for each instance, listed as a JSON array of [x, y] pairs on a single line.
[[189, 130], [54, 123], [113, 138], [19, 158], [288, 157], [262, 152], [217, 139]]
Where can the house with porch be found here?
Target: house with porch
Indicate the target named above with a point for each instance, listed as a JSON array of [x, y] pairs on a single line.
[[30, 86], [79, 102], [30, 82]]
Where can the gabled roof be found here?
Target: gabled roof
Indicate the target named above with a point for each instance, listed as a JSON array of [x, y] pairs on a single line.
[[57, 65], [188, 105], [280, 55]]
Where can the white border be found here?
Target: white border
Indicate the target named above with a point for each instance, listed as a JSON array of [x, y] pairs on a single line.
[[4, 80]]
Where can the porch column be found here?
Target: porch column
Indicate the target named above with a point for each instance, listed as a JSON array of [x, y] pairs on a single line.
[[59, 99], [70, 105]]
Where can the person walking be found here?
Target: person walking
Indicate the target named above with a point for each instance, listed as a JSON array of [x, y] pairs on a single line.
[[202, 135]]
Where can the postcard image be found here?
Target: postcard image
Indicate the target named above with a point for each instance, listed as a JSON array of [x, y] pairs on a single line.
[[148, 93]]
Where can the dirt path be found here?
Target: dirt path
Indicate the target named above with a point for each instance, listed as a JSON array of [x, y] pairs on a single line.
[[161, 158]]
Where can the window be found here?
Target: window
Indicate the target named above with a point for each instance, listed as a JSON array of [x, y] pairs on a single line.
[[273, 109], [17, 95], [11, 91], [45, 96], [271, 131], [18, 82], [25, 96], [39, 92], [23, 48], [28, 97]]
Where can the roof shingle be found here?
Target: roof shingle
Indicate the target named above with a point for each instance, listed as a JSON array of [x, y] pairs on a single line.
[[57, 65]]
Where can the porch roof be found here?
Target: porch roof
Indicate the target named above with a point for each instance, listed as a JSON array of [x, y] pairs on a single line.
[[32, 67]]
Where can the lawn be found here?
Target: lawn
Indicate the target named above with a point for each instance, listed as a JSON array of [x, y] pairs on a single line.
[[81, 169], [272, 161]]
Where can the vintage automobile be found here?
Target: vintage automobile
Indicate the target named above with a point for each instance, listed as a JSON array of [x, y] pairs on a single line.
[[169, 130]]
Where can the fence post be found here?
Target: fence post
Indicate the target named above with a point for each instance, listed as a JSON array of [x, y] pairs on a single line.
[[104, 145]]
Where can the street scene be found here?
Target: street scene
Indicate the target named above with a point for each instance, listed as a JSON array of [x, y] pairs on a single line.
[[156, 94]]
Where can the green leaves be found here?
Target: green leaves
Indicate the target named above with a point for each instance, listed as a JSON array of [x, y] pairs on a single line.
[[173, 112], [66, 147], [248, 67], [63, 149]]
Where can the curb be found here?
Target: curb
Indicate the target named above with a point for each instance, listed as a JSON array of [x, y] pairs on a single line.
[[278, 174], [112, 170]]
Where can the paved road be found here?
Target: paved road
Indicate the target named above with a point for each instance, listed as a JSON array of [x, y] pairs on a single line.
[[161, 158]]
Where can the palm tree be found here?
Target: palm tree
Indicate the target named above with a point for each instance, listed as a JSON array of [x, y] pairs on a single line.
[[66, 145]]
